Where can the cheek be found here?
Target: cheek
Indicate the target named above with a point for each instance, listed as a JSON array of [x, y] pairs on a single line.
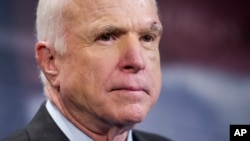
[[89, 78], [82, 86], [157, 82], [154, 57], [74, 74], [155, 73]]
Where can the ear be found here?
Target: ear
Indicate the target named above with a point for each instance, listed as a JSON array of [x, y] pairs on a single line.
[[46, 58]]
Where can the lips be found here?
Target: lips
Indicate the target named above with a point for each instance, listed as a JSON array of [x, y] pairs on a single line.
[[130, 88], [129, 83]]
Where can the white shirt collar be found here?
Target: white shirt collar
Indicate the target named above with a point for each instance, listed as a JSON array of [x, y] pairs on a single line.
[[72, 132]]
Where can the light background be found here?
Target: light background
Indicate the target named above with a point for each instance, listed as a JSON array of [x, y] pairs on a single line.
[[205, 53]]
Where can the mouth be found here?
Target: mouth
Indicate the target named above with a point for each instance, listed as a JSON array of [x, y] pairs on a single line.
[[130, 89]]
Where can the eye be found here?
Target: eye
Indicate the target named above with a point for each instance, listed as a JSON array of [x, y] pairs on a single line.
[[105, 37], [147, 38]]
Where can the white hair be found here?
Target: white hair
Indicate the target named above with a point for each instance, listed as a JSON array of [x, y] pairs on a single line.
[[50, 25]]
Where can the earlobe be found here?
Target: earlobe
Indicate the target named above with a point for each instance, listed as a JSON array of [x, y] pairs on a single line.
[[45, 57]]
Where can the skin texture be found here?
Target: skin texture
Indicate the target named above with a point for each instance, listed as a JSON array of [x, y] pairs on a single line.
[[110, 76]]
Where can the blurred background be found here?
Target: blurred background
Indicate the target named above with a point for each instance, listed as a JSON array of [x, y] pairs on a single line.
[[205, 53]]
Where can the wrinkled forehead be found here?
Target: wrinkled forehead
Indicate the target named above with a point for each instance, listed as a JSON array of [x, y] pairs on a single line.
[[83, 8], [99, 3]]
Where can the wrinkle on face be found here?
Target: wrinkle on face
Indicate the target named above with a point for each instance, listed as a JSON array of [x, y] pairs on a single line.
[[92, 68], [82, 8]]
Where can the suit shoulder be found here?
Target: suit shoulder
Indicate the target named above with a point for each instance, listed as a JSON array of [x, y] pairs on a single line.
[[145, 136], [20, 135]]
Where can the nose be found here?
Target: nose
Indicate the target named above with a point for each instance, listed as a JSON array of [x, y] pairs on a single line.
[[132, 58]]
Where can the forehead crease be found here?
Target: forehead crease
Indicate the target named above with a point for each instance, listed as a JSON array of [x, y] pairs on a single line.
[[71, 10], [76, 8], [79, 7], [84, 5]]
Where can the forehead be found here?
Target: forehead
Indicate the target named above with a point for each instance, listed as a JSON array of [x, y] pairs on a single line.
[[87, 10], [103, 3]]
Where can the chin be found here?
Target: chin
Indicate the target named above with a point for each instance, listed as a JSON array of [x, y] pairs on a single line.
[[129, 114], [135, 115], [135, 120]]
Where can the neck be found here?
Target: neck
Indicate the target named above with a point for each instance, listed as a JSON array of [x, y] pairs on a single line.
[[96, 129], [101, 131]]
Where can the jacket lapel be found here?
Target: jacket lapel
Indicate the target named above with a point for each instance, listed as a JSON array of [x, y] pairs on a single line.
[[43, 128]]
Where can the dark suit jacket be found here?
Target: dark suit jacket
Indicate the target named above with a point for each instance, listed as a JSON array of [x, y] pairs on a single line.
[[43, 128]]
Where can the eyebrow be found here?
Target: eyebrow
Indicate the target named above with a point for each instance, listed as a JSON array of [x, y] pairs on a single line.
[[154, 27], [108, 29]]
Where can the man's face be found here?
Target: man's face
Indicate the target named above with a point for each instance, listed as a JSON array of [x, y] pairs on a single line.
[[111, 70]]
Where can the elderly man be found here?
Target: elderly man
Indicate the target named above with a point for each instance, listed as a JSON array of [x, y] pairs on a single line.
[[100, 67]]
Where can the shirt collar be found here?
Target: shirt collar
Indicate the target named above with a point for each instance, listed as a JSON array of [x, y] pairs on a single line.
[[72, 132]]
